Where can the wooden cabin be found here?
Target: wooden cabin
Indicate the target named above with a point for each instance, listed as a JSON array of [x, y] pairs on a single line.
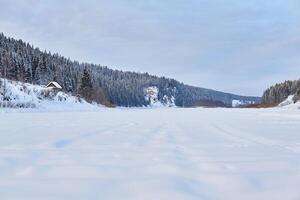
[[54, 86]]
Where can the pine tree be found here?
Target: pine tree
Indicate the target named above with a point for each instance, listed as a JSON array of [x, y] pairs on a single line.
[[86, 88]]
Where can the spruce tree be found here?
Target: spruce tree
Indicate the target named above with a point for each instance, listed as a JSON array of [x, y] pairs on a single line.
[[86, 88]]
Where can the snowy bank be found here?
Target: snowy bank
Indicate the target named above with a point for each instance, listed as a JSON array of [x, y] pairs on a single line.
[[290, 103], [16, 95]]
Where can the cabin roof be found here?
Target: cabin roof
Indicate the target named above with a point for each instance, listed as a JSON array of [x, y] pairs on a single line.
[[55, 84]]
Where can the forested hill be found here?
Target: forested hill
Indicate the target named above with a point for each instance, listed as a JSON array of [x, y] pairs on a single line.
[[21, 61], [279, 92]]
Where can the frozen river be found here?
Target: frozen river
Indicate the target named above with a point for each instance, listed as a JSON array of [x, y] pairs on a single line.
[[144, 154]]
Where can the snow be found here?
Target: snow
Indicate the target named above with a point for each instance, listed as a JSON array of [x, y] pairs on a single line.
[[38, 97], [289, 100], [55, 84], [151, 95], [289, 103], [133, 154], [238, 103]]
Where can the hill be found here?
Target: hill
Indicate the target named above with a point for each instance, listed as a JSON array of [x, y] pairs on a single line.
[[281, 91], [20, 61]]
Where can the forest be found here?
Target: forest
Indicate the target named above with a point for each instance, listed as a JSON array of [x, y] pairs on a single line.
[[21, 61]]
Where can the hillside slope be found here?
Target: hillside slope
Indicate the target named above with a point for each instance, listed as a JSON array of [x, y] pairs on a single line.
[[281, 91], [24, 95], [291, 102], [20, 61]]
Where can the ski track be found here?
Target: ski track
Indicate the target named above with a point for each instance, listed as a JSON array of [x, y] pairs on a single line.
[[168, 154]]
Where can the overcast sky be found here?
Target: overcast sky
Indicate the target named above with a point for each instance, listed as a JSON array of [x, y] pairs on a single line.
[[238, 46]]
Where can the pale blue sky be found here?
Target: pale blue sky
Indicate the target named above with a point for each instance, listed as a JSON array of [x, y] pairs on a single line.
[[235, 46]]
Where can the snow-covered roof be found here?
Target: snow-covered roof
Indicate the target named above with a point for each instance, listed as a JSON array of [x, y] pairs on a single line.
[[55, 84]]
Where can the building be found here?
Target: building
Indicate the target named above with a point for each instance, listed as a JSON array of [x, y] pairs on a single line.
[[54, 85]]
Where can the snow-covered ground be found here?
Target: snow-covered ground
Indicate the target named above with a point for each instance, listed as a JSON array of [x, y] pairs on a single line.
[[36, 97], [290, 103], [144, 154]]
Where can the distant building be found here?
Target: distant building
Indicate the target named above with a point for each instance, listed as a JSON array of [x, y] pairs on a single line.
[[54, 85]]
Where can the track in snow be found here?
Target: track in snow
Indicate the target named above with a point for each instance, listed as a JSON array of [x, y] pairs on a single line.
[[151, 154]]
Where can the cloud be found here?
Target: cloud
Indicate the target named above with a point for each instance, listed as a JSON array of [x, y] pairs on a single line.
[[235, 46]]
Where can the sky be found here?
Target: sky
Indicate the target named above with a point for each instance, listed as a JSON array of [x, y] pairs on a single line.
[[235, 46]]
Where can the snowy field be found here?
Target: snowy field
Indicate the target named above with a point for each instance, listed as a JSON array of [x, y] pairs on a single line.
[[144, 154]]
